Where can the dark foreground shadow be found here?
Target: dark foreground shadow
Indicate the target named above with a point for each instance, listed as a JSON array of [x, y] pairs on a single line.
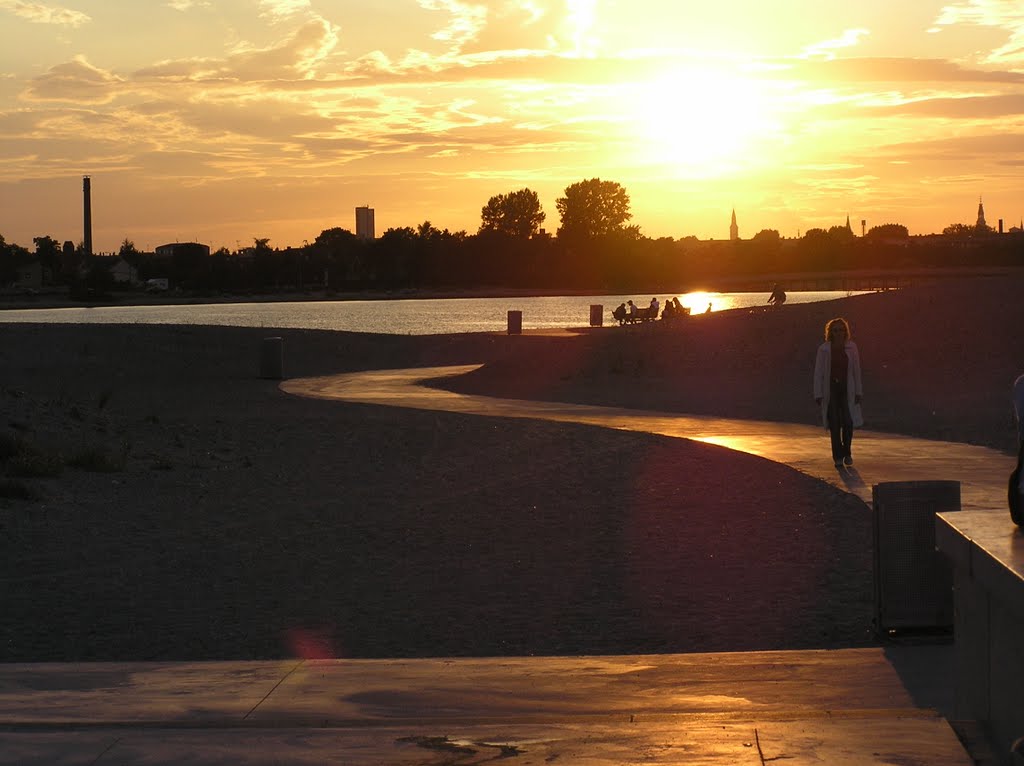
[[926, 668], [852, 481]]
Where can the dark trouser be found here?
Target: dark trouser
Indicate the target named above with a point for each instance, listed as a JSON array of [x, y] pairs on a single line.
[[840, 422]]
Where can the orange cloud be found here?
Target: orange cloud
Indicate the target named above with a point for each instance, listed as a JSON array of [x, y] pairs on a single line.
[[38, 13], [77, 81]]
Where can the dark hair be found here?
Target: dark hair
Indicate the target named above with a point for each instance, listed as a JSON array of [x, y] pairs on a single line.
[[832, 323]]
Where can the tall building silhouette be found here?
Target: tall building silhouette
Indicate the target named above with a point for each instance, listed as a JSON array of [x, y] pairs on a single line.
[[734, 230], [981, 225], [87, 215], [364, 223]]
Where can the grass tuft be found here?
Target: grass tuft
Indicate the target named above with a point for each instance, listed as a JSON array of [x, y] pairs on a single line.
[[10, 445], [25, 459], [32, 462], [16, 490], [98, 459]]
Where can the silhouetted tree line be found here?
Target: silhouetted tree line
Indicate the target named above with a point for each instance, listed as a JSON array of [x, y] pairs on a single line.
[[594, 248]]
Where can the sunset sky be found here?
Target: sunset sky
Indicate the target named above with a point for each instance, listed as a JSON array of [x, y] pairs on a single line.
[[221, 121]]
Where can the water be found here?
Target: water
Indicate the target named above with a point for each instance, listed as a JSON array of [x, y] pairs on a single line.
[[398, 317]]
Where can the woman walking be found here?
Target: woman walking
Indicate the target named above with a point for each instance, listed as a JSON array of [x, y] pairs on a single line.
[[837, 388]]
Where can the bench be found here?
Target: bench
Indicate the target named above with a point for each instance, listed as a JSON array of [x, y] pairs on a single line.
[[641, 315]]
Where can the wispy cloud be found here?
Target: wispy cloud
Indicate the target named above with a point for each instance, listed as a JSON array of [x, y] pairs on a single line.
[[582, 15], [964, 108], [282, 9], [993, 13], [896, 70], [494, 28], [961, 149], [1003, 14], [827, 48], [465, 24], [44, 14], [295, 57], [187, 5], [77, 81]]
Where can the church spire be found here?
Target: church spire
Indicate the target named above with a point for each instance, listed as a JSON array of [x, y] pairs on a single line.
[[734, 230], [981, 225]]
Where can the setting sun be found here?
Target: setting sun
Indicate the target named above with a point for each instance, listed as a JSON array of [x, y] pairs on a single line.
[[700, 121]]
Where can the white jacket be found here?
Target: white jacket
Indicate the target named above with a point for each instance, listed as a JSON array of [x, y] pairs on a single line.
[[822, 371]]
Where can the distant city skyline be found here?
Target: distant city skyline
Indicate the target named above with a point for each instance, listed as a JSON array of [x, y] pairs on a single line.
[[221, 122]]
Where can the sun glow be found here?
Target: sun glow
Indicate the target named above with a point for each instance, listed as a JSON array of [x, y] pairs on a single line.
[[699, 302], [701, 121]]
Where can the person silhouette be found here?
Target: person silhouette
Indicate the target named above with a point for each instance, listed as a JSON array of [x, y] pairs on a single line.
[[1015, 488], [837, 388], [778, 296], [1018, 407]]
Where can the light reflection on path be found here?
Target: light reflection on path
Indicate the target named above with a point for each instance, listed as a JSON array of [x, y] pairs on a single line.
[[879, 457]]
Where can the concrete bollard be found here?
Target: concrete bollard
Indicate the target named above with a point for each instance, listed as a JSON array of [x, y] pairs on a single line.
[[596, 315], [515, 322], [272, 358]]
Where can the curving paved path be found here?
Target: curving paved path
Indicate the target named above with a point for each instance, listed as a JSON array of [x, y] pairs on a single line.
[[879, 457]]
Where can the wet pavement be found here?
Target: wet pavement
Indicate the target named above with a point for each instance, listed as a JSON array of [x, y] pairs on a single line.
[[844, 708]]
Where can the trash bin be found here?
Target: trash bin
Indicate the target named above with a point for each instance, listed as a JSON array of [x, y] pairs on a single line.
[[596, 315], [272, 358], [515, 322], [913, 581]]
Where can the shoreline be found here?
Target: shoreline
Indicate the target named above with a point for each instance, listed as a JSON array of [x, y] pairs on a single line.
[[19, 299], [43, 302]]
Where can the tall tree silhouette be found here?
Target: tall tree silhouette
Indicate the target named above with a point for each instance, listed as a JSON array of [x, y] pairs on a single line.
[[593, 208], [516, 214], [48, 251], [11, 257], [338, 258]]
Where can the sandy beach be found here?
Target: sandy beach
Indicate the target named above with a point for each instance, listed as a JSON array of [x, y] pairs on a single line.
[[187, 509]]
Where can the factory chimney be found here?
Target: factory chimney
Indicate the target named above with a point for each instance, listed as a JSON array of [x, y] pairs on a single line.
[[87, 200]]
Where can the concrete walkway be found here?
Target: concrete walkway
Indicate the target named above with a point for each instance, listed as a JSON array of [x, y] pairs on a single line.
[[846, 708], [842, 708], [879, 457]]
